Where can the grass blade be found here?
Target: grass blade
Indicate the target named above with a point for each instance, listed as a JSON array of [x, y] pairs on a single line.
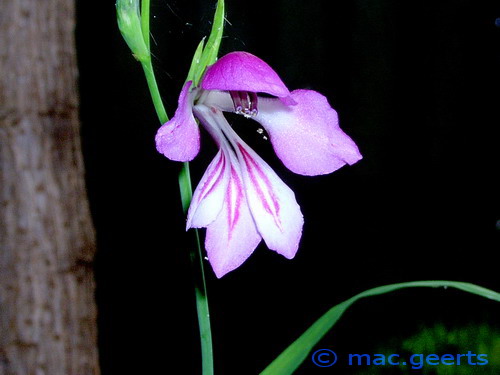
[[292, 357]]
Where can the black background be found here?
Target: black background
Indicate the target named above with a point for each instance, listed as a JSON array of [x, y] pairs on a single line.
[[415, 85]]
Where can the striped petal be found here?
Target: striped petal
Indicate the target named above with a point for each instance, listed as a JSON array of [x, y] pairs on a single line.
[[210, 193], [272, 203], [233, 236], [220, 203]]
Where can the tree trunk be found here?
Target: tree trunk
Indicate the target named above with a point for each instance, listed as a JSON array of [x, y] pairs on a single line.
[[47, 307]]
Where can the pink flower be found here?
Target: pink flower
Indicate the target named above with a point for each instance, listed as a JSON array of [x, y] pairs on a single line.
[[240, 199]]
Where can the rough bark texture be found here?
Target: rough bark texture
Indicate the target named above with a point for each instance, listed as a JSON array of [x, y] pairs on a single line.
[[47, 307]]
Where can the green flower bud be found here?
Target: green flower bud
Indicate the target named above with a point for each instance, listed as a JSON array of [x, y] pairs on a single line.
[[129, 22]]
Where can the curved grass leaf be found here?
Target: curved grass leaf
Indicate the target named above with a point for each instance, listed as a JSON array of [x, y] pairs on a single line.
[[290, 359]]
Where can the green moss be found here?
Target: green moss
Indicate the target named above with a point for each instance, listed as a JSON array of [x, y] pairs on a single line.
[[440, 339]]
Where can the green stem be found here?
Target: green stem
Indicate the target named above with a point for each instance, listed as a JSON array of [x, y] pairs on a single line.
[[147, 66], [186, 192], [200, 289], [202, 309]]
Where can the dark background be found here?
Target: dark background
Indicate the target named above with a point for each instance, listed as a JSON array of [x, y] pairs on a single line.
[[415, 85]]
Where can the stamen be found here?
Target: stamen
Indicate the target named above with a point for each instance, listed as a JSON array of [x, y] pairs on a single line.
[[253, 103], [235, 96], [245, 103]]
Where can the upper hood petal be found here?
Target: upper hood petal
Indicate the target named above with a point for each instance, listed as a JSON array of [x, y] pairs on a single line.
[[179, 138], [242, 71], [307, 137]]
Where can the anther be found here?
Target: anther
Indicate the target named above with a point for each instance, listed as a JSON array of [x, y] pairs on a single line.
[[245, 103]]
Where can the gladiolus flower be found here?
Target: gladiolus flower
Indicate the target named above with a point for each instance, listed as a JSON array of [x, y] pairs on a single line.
[[240, 199]]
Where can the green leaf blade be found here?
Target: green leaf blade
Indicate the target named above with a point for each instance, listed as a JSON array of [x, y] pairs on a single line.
[[293, 356]]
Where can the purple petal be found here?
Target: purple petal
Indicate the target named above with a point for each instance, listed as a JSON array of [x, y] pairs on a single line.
[[272, 203], [242, 71], [232, 237], [179, 138], [210, 193], [307, 137]]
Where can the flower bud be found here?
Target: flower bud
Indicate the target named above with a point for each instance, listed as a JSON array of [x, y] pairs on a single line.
[[129, 22]]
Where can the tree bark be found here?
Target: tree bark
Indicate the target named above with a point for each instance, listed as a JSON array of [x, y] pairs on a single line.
[[47, 245]]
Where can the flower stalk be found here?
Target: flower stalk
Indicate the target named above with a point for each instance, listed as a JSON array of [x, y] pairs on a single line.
[[134, 26]]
